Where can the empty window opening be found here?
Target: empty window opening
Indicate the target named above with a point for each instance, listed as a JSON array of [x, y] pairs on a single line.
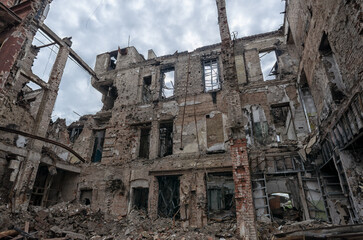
[[166, 139], [113, 60], [283, 121], [144, 142], [221, 203], [74, 133], [168, 200], [146, 90], [140, 198], [336, 85], [53, 185], [167, 83], [211, 76], [98, 145], [86, 196], [109, 97], [269, 66]]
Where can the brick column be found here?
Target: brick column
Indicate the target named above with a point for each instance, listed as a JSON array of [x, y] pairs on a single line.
[[245, 209]]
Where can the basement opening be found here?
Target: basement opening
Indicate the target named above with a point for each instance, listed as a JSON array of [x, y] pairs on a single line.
[[99, 137], [86, 196], [53, 185], [140, 198], [211, 76], [269, 66], [168, 201], [166, 139], [144, 142], [146, 91], [220, 194], [167, 83]]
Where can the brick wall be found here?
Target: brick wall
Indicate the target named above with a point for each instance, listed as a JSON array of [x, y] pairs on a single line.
[[243, 190]]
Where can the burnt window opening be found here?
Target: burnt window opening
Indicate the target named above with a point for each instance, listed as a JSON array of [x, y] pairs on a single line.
[[167, 83], [113, 60], [140, 198], [99, 137], [109, 97], [269, 65], [74, 133], [146, 90], [166, 139], [308, 102], [144, 142], [168, 199], [86, 196], [220, 194], [211, 75], [336, 85], [283, 121]]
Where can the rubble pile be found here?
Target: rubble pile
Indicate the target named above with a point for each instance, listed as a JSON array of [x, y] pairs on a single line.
[[76, 221]]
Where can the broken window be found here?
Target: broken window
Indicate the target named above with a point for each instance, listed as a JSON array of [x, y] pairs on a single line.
[[98, 145], [167, 83], [144, 142], [146, 91], [86, 196], [113, 60], [168, 201], [211, 75], [283, 121], [74, 133], [166, 139], [336, 85], [269, 66], [220, 187], [140, 198]]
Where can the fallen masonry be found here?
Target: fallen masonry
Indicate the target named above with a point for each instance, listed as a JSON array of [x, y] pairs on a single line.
[[258, 137]]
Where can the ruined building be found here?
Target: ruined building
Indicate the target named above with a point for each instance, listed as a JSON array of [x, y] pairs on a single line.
[[196, 136]]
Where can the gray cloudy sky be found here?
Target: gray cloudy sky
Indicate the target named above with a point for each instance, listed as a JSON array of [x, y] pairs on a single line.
[[98, 26]]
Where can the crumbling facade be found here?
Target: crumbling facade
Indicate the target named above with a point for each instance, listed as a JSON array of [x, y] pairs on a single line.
[[215, 133]]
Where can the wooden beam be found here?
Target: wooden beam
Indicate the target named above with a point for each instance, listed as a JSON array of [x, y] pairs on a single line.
[[72, 53]]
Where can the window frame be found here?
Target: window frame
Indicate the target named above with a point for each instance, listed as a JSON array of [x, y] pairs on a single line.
[[211, 61]]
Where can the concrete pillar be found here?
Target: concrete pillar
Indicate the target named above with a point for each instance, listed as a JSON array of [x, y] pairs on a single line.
[[24, 185], [154, 140]]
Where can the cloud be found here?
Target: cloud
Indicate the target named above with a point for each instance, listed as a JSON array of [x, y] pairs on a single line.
[[98, 26]]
